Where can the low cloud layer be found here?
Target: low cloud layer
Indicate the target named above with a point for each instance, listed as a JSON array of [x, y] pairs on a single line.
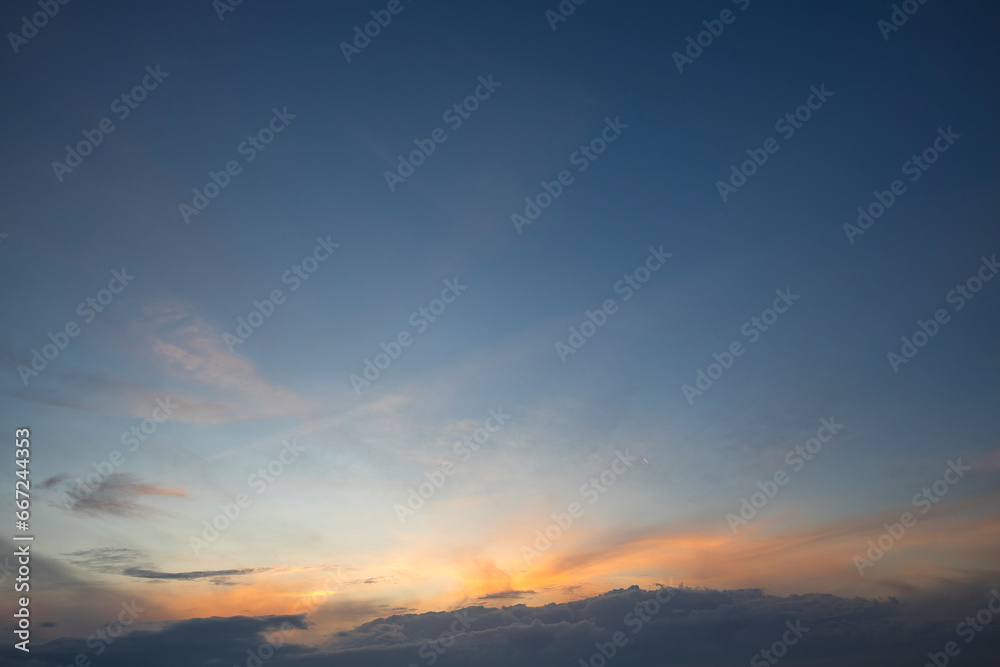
[[693, 627]]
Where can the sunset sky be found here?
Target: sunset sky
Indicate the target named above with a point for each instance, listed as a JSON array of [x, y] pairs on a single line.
[[396, 380]]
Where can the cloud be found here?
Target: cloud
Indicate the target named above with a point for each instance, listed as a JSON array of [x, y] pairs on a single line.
[[106, 559], [506, 595], [140, 573], [53, 481], [198, 642], [784, 555], [117, 495], [209, 384], [189, 348], [384, 404], [691, 627]]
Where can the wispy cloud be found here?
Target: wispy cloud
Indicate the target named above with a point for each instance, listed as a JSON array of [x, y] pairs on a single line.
[[188, 348], [206, 382], [105, 559], [219, 577], [117, 495], [506, 595]]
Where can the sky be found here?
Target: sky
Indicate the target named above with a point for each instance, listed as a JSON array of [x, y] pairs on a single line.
[[503, 324]]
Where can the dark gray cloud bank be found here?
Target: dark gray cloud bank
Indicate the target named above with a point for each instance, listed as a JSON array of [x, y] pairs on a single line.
[[695, 627]]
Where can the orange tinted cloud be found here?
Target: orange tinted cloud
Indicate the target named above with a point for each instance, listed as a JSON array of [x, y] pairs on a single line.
[[810, 559]]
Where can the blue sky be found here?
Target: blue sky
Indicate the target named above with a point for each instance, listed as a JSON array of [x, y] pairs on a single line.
[[321, 183]]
